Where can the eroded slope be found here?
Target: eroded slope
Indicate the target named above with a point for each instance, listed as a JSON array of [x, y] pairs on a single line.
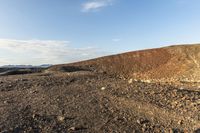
[[168, 64]]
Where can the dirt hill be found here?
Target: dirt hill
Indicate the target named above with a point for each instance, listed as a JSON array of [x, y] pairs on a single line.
[[101, 95], [179, 63]]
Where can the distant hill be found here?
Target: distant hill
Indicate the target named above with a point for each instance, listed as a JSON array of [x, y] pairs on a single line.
[[180, 63], [21, 69], [25, 66]]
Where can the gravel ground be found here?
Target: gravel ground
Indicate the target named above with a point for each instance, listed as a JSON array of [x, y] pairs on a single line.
[[91, 102]]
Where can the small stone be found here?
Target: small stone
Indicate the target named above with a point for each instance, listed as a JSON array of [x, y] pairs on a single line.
[[180, 122], [33, 116], [61, 118], [32, 91], [5, 102], [198, 101], [183, 98], [170, 130], [148, 81], [103, 88], [9, 85], [72, 129], [130, 81], [143, 129]]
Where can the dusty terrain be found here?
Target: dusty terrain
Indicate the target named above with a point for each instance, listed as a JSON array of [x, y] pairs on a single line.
[[149, 91], [168, 64]]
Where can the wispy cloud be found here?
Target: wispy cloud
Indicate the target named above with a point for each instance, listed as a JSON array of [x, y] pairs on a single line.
[[43, 51], [116, 39], [94, 5]]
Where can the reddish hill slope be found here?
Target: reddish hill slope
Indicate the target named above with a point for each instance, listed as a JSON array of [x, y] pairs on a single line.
[[179, 63]]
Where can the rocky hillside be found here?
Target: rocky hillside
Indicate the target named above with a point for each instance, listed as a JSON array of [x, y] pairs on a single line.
[[101, 95], [179, 63]]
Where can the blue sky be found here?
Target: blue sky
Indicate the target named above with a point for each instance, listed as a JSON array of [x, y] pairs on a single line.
[[62, 31]]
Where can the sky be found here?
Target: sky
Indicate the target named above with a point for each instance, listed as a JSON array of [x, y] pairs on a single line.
[[62, 31]]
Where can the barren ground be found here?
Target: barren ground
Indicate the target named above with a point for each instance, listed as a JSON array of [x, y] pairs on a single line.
[[149, 91], [86, 101]]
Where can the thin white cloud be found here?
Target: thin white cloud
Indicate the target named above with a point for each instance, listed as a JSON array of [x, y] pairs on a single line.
[[94, 5], [37, 52], [116, 40]]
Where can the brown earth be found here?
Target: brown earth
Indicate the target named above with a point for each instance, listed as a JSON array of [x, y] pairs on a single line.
[[125, 93], [168, 64]]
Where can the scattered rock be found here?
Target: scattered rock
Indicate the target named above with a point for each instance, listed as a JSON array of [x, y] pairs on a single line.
[[147, 81], [143, 129], [198, 101], [32, 91], [103, 88], [130, 81], [72, 129], [60, 118], [33, 116], [180, 122], [171, 130], [9, 85], [142, 121], [138, 121]]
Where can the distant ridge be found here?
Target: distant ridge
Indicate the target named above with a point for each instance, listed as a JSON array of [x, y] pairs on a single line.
[[179, 63], [26, 66]]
